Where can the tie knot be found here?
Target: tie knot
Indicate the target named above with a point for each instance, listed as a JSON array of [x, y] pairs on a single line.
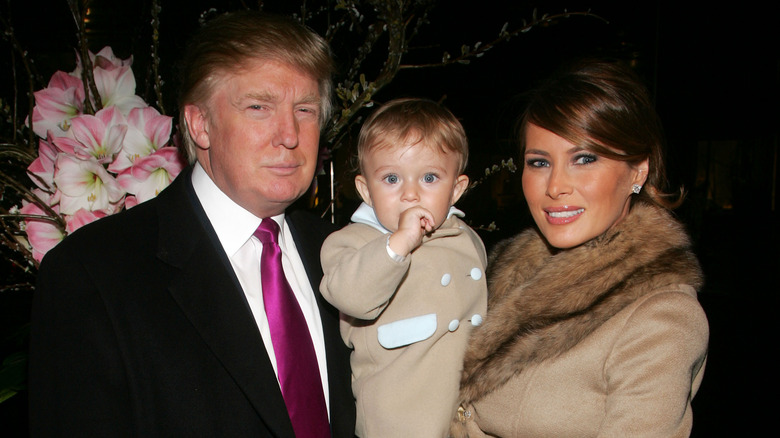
[[267, 231]]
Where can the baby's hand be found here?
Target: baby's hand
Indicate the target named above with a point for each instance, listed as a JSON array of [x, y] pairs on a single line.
[[413, 224]]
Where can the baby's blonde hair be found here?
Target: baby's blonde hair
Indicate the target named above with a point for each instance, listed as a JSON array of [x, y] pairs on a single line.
[[413, 121]]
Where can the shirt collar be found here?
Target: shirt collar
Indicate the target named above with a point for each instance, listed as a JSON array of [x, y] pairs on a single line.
[[232, 223], [366, 215]]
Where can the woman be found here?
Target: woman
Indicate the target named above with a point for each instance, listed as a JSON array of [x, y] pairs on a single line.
[[593, 325]]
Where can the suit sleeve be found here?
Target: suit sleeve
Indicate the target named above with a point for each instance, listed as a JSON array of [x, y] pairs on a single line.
[[77, 386], [359, 275], [655, 368]]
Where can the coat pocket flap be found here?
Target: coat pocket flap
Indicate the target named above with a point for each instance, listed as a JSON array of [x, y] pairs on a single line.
[[406, 331]]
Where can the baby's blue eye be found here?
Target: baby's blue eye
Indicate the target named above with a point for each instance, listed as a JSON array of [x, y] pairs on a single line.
[[391, 179], [430, 177]]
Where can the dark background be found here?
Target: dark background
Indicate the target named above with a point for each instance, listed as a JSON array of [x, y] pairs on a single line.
[[713, 71]]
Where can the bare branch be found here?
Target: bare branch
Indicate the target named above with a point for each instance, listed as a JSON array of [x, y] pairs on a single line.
[[156, 56], [479, 49], [87, 75], [8, 34]]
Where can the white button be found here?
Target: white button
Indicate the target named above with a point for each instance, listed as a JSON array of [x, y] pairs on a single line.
[[476, 319], [476, 273], [454, 325], [445, 279]]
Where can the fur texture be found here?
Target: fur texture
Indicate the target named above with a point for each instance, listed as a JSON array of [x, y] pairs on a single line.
[[543, 302]]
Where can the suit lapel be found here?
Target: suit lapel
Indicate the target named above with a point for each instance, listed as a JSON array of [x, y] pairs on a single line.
[[308, 239], [209, 294], [309, 233]]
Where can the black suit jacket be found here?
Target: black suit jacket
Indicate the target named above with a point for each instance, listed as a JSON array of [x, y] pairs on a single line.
[[140, 328]]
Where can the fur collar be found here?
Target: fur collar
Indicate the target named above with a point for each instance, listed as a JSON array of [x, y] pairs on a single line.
[[542, 303]]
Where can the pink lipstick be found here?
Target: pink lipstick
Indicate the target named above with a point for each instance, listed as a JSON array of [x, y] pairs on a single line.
[[563, 215]]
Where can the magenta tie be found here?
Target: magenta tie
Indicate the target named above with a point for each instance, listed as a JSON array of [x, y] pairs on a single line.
[[296, 361]]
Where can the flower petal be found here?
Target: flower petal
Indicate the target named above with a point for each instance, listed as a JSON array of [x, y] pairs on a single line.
[[85, 183], [42, 234], [83, 217], [117, 88], [54, 107], [147, 132], [99, 136], [151, 174], [42, 168]]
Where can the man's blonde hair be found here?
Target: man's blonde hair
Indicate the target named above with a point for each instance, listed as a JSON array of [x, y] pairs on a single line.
[[230, 42]]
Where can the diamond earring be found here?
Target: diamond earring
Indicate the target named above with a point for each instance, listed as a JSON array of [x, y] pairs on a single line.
[[636, 188]]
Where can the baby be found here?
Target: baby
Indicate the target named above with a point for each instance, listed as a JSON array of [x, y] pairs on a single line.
[[408, 273]]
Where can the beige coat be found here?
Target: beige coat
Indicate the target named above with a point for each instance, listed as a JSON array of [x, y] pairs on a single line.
[[604, 340], [409, 323]]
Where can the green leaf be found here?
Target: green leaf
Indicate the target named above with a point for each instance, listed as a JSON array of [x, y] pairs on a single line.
[[13, 373], [5, 394]]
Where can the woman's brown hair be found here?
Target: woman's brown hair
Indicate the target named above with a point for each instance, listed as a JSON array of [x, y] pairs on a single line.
[[604, 107]]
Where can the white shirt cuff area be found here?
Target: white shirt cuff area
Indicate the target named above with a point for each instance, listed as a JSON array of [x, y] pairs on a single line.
[[392, 253]]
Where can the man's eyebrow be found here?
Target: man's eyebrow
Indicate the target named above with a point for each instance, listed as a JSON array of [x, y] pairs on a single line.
[[310, 99], [260, 95], [268, 96]]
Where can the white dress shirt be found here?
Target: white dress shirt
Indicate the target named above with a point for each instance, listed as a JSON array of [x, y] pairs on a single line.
[[235, 227]]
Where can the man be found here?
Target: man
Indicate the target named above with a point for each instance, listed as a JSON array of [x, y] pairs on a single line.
[[153, 322]]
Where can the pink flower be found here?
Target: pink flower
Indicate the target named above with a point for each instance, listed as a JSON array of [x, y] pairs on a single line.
[[85, 183], [43, 167], [150, 175], [83, 217], [147, 132], [42, 234], [99, 136], [114, 80], [56, 104], [117, 88], [80, 154], [104, 59]]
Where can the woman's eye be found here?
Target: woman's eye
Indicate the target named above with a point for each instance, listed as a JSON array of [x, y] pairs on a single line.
[[391, 179], [430, 177], [536, 162], [585, 159]]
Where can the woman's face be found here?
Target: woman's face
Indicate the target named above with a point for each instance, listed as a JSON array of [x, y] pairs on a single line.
[[574, 195]]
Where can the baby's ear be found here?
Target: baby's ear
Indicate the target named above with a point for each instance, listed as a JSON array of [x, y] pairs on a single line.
[[362, 188], [461, 184]]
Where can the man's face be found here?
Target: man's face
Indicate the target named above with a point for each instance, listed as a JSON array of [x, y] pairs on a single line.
[[258, 135]]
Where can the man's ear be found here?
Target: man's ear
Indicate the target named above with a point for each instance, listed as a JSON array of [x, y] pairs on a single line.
[[461, 184], [362, 187], [197, 125]]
